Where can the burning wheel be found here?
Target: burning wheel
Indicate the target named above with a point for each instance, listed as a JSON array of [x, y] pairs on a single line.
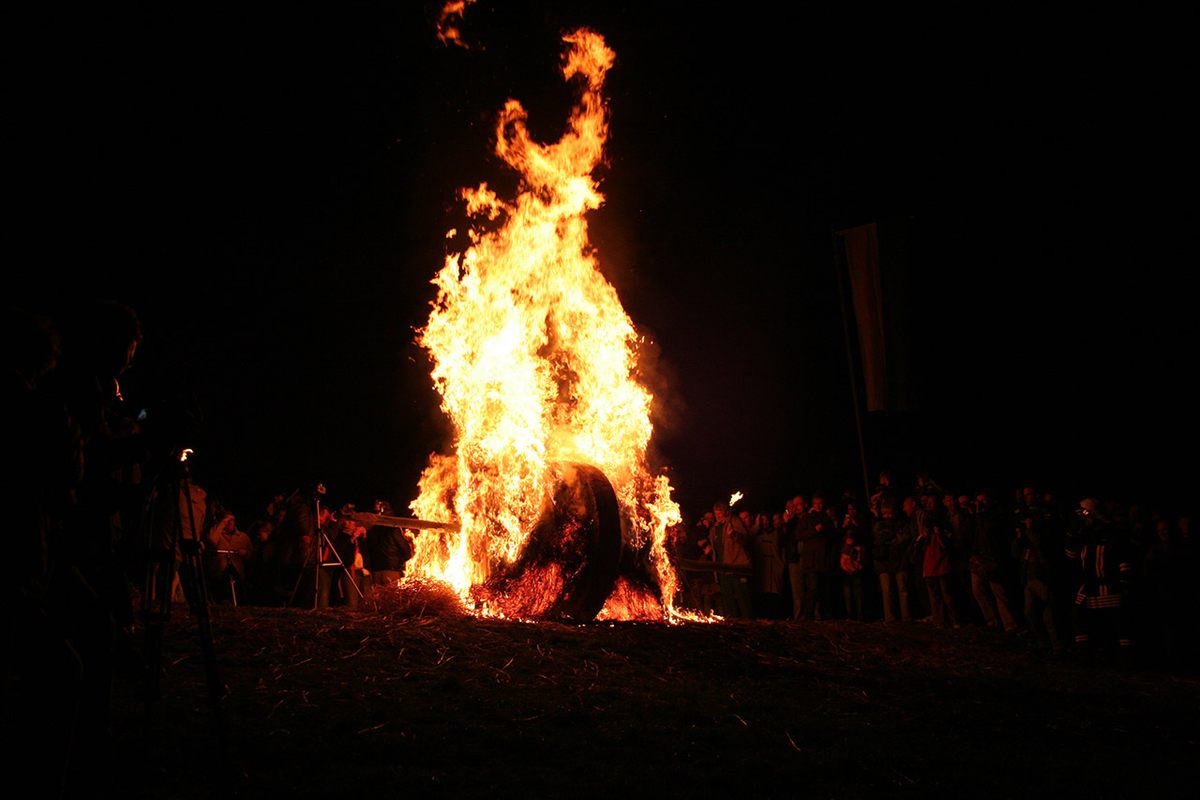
[[572, 559]]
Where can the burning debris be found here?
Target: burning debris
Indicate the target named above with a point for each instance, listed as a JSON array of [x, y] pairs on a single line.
[[570, 562], [548, 485], [448, 21]]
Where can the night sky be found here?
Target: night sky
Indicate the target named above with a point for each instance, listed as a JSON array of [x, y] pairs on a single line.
[[270, 191]]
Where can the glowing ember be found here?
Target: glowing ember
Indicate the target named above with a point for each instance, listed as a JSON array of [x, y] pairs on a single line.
[[536, 363]]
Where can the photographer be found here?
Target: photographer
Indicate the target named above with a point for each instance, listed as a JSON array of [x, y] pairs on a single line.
[[228, 552], [89, 591], [294, 542], [341, 562]]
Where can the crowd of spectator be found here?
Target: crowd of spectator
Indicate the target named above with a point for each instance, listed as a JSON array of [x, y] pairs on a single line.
[[1087, 578], [110, 518], [304, 549]]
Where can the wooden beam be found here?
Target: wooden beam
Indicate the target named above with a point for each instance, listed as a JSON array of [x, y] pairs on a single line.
[[370, 520]]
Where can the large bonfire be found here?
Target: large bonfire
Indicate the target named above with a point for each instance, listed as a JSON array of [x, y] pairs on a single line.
[[536, 364]]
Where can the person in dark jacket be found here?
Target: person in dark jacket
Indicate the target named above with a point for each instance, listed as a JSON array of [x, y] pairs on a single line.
[[890, 538], [736, 597], [387, 550], [1100, 552], [818, 548], [791, 551], [339, 579], [1033, 556], [989, 563]]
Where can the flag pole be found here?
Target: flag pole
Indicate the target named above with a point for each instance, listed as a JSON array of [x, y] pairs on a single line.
[[840, 267]]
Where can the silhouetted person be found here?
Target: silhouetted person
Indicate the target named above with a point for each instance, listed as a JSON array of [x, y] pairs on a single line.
[[1101, 556], [90, 583], [296, 540], [703, 583], [387, 549], [791, 546], [1034, 557], [891, 537], [851, 563], [932, 546], [989, 561], [43, 672], [736, 594], [816, 534], [261, 571], [770, 570], [884, 493], [227, 557], [338, 581]]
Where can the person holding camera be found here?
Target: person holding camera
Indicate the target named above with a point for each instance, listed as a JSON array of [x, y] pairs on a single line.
[[890, 540], [816, 533], [229, 551], [792, 513], [341, 561]]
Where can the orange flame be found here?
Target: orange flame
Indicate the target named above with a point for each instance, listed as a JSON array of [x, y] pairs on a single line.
[[448, 20], [534, 357]]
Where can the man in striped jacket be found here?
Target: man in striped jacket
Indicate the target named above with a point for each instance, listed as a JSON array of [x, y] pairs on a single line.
[[1103, 566]]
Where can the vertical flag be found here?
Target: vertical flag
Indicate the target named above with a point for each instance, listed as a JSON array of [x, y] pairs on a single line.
[[861, 247]]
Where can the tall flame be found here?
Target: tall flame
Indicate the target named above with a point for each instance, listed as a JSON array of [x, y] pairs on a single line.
[[534, 357]]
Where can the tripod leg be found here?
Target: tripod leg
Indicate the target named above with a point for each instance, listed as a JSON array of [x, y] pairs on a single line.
[[157, 594], [336, 561], [308, 561], [154, 615], [350, 578]]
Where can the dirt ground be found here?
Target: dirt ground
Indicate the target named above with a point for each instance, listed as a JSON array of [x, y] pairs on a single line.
[[407, 696]]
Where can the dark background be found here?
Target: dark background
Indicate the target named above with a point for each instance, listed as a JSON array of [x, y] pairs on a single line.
[[270, 190]]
